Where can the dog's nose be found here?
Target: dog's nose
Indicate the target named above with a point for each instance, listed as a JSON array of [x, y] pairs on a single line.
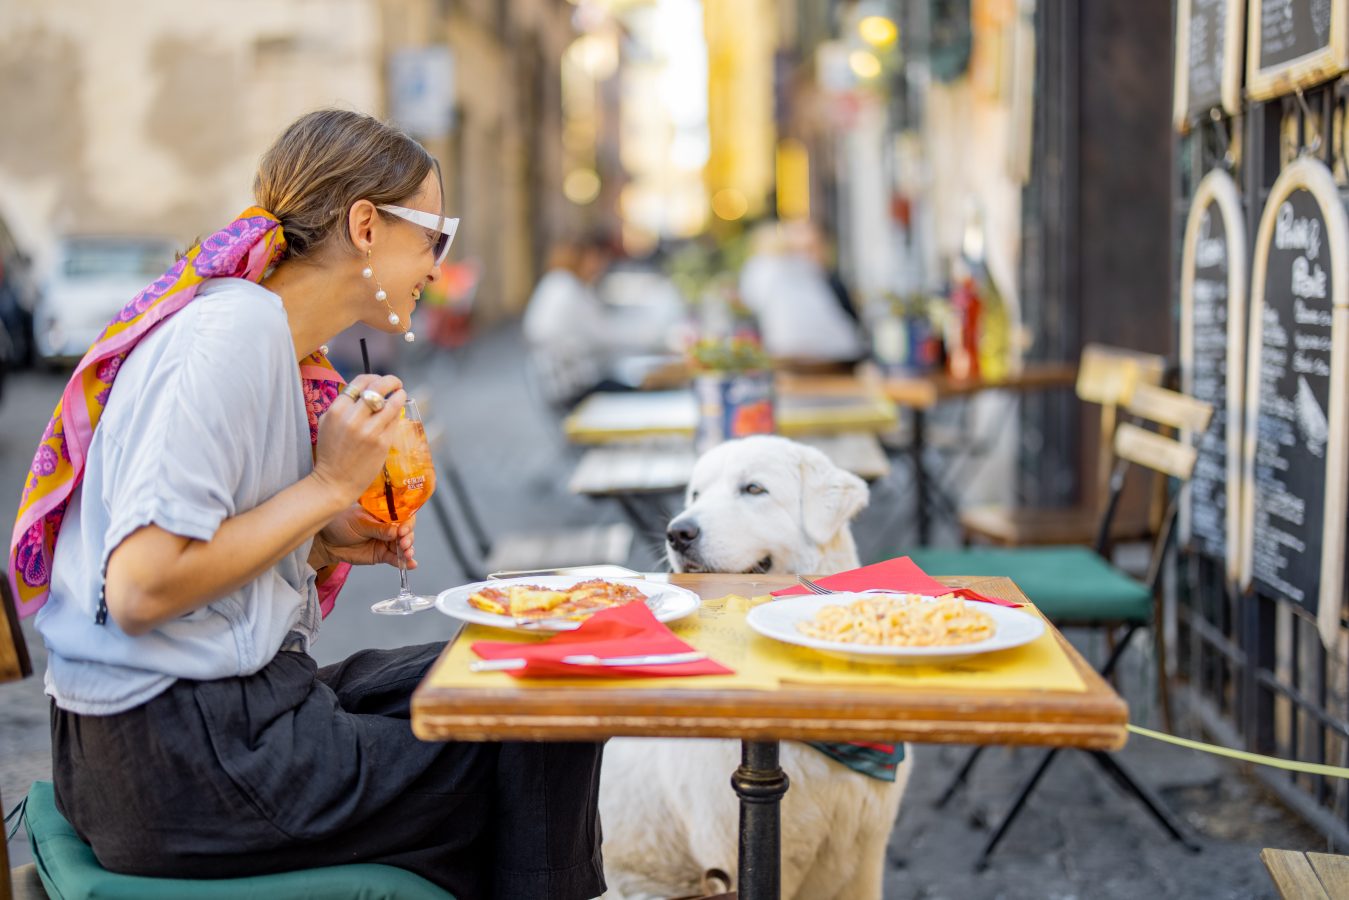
[[682, 534]]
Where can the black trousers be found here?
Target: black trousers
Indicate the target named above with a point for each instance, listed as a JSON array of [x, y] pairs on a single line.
[[296, 767]]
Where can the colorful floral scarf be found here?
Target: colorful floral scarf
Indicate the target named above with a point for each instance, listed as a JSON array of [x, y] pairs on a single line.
[[246, 248]]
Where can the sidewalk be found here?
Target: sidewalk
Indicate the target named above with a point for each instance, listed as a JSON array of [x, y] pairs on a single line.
[[1079, 837]]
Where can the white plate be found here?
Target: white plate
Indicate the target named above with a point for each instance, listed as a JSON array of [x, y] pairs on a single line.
[[778, 620], [666, 601]]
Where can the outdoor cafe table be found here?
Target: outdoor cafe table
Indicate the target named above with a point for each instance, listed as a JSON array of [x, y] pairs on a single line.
[[920, 394], [805, 404], [451, 705]]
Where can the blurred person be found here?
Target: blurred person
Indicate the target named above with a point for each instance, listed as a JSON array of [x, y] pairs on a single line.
[[808, 239], [190, 514], [575, 340], [786, 285]]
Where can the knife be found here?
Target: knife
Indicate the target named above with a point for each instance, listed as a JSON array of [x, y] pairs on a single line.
[[599, 571], [585, 659]]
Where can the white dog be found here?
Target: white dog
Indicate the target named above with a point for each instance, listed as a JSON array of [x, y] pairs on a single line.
[[761, 504]]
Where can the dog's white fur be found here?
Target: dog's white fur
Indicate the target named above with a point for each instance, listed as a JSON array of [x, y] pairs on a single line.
[[669, 813]]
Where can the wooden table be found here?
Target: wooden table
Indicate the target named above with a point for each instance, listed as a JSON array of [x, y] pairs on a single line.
[[922, 393], [677, 371], [1091, 719], [927, 391], [816, 404]]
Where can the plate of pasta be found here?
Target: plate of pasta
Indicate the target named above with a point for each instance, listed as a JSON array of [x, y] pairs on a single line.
[[900, 628]]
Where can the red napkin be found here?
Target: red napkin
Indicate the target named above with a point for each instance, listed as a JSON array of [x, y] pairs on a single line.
[[628, 630], [899, 574]]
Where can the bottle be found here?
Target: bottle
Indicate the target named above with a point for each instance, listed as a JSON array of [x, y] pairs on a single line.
[[962, 336], [994, 332], [993, 337]]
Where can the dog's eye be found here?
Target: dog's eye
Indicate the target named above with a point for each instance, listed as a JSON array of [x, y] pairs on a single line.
[[753, 488], [693, 496]]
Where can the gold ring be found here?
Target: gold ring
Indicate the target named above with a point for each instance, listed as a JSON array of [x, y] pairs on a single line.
[[373, 399], [353, 392]]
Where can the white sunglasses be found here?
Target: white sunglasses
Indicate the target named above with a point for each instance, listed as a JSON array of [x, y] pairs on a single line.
[[443, 227]]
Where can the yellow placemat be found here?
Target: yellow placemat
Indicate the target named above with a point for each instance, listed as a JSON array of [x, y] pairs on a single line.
[[727, 640], [1039, 665], [719, 629]]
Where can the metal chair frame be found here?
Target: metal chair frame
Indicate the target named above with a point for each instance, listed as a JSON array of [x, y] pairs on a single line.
[[1155, 806]]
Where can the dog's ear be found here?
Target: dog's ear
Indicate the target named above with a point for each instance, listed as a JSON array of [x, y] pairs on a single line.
[[830, 497]]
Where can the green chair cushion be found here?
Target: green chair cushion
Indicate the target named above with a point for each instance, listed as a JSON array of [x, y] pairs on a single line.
[[69, 871], [1070, 585]]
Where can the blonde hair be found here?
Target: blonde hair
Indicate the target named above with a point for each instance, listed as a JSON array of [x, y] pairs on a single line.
[[327, 160]]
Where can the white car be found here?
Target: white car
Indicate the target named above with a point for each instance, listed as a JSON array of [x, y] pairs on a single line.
[[90, 279]]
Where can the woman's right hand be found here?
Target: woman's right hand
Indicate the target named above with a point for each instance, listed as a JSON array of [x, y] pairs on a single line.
[[354, 440]]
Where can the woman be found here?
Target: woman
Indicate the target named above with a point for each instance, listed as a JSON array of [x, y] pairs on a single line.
[[187, 510]]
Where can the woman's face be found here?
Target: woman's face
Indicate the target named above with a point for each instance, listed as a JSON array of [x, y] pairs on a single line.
[[402, 256]]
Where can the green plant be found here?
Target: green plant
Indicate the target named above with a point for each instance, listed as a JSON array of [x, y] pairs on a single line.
[[727, 355]]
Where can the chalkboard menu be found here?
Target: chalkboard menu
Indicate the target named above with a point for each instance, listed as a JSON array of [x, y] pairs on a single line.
[[1295, 44], [1212, 355], [1294, 491], [1208, 58]]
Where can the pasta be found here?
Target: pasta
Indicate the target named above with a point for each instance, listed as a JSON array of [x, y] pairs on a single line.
[[900, 620]]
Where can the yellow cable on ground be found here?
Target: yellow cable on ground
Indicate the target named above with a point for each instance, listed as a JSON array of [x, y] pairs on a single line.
[[1258, 759]]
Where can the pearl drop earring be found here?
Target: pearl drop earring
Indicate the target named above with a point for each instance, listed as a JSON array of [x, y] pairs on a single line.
[[382, 296]]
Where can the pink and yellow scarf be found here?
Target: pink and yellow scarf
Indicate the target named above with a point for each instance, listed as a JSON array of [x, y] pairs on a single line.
[[246, 248]]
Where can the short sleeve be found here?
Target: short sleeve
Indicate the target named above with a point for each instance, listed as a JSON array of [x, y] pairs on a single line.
[[193, 421]]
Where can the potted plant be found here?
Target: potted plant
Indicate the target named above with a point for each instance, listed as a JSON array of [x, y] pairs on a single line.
[[733, 384]]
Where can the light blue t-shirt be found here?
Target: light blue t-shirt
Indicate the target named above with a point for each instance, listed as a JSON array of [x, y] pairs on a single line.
[[206, 420]]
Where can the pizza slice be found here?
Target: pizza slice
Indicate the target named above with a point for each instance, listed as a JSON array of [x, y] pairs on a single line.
[[528, 601]]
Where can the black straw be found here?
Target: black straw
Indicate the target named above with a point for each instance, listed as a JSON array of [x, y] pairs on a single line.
[[365, 357]]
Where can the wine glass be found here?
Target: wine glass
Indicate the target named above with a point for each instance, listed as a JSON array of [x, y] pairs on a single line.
[[400, 489]]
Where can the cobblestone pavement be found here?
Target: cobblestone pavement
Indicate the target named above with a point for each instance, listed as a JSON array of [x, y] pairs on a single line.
[[1079, 837]]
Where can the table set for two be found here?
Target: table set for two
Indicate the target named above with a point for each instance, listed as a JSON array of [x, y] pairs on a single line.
[[732, 661]]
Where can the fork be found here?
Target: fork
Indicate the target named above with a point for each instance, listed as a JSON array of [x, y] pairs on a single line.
[[821, 589]]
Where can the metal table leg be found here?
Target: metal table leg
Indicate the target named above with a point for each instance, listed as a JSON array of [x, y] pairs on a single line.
[[760, 784], [920, 483], [646, 512]]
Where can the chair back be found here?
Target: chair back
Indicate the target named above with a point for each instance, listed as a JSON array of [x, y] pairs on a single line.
[[14, 660], [1106, 375], [14, 664], [1134, 445]]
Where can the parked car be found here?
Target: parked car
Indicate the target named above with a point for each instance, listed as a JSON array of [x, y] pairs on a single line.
[[18, 296], [90, 279]]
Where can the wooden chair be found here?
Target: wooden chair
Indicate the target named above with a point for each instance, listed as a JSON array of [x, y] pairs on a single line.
[[1307, 876], [1077, 587], [1105, 375], [14, 665]]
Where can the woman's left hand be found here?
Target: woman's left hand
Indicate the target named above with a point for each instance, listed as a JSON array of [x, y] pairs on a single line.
[[359, 538]]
